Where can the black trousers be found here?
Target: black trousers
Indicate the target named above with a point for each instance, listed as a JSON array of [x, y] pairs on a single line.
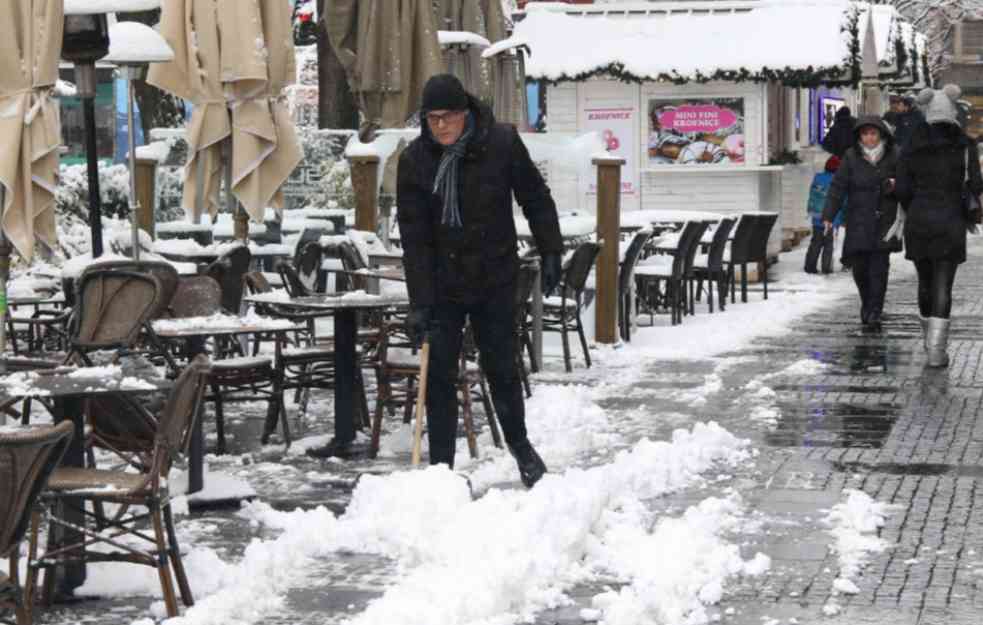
[[935, 279], [821, 243], [870, 270], [492, 318]]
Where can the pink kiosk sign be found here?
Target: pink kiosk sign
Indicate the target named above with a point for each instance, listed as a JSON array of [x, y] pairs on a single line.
[[698, 118]]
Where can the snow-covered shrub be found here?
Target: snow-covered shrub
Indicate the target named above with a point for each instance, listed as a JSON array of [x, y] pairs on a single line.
[[72, 194]]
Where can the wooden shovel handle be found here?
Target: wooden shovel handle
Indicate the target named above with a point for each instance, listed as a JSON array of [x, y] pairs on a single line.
[[421, 400]]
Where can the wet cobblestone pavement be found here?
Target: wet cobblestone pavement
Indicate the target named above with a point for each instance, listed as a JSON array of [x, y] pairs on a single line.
[[873, 418]]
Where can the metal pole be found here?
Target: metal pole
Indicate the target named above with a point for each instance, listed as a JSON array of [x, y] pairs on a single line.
[[86, 77], [537, 317], [134, 201]]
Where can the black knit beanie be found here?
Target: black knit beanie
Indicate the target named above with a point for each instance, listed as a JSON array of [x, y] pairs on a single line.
[[444, 92]]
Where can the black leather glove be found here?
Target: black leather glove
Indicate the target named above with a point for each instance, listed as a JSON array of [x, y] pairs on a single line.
[[418, 323], [552, 272]]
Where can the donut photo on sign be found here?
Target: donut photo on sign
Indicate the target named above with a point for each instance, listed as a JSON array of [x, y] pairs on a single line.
[[696, 132]]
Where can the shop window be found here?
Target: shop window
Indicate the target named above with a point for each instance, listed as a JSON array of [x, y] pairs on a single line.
[[969, 41]]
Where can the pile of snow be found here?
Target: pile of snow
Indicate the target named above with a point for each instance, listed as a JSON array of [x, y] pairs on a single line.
[[854, 525], [535, 545], [220, 321]]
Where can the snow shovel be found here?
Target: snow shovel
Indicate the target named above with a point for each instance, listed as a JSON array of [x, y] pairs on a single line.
[[421, 400]]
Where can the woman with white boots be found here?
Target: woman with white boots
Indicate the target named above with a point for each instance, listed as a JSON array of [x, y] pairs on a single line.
[[936, 174]]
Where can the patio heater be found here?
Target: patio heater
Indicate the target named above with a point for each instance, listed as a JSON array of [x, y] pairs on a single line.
[[132, 61], [86, 40]]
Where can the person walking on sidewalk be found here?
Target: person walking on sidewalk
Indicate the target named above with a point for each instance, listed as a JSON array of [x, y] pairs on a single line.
[[454, 199], [821, 243], [839, 138], [932, 180], [904, 118], [867, 176]]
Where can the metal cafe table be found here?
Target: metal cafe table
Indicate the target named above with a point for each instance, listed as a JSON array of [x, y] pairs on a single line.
[[67, 388], [344, 308], [194, 331]]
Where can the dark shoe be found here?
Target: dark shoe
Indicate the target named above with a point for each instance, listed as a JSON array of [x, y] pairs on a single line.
[[874, 322], [531, 466], [810, 270], [334, 449]]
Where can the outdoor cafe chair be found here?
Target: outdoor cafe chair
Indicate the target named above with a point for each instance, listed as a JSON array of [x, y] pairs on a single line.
[[307, 364], [561, 313], [626, 279], [664, 278], [739, 253], [27, 459], [232, 379], [758, 252], [228, 271], [140, 484], [524, 286], [710, 266], [398, 361]]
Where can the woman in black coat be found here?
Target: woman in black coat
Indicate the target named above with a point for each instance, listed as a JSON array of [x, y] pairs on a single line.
[[866, 175], [931, 179]]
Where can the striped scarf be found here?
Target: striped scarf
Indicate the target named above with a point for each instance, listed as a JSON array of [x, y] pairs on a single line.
[[445, 182]]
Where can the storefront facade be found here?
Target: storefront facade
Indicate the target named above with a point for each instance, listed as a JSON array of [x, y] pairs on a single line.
[[710, 128]]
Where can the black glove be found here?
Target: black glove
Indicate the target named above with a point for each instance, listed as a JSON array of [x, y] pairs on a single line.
[[418, 323], [552, 271]]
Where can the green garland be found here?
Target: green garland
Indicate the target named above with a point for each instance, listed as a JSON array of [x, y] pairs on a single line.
[[849, 74]]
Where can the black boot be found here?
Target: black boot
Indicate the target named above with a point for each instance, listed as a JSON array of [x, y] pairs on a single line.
[[531, 466]]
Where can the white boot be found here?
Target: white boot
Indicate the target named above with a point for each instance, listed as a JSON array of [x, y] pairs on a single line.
[[936, 342], [924, 322]]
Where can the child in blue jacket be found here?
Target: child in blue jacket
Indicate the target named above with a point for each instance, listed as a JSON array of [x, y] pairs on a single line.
[[822, 241]]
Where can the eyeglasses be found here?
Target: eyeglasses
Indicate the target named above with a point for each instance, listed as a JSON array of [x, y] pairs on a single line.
[[436, 119]]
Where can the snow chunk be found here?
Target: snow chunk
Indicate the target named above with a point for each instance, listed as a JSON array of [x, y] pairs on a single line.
[[461, 37], [133, 43], [854, 524]]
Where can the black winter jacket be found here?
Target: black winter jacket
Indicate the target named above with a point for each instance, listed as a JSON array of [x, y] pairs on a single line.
[[904, 126], [463, 264], [930, 184], [840, 136], [873, 207]]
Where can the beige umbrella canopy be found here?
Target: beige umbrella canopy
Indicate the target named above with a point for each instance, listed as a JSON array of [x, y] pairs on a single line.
[[388, 49], [482, 17], [233, 55], [30, 127]]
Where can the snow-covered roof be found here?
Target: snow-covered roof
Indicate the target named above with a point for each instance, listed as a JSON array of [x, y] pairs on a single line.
[[799, 41], [136, 43], [461, 37], [82, 7]]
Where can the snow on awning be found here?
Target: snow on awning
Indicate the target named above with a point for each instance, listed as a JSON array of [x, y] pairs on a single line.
[[797, 42]]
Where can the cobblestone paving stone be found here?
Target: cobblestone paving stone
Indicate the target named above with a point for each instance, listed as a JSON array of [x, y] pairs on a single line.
[[874, 419]]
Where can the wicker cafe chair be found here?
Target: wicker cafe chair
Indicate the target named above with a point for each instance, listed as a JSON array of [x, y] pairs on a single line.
[[398, 361], [524, 285], [231, 380], [114, 306], [228, 271], [626, 279], [710, 266], [310, 362], [562, 313], [141, 486], [27, 459]]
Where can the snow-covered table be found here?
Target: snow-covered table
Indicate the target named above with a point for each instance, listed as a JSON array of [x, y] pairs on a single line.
[[69, 387], [343, 307]]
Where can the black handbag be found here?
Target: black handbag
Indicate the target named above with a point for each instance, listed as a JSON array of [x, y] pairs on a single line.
[[972, 210]]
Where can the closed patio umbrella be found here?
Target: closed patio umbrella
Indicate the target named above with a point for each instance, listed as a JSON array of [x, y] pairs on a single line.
[[388, 49], [232, 55], [30, 126], [481, 17], [30, 130]]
